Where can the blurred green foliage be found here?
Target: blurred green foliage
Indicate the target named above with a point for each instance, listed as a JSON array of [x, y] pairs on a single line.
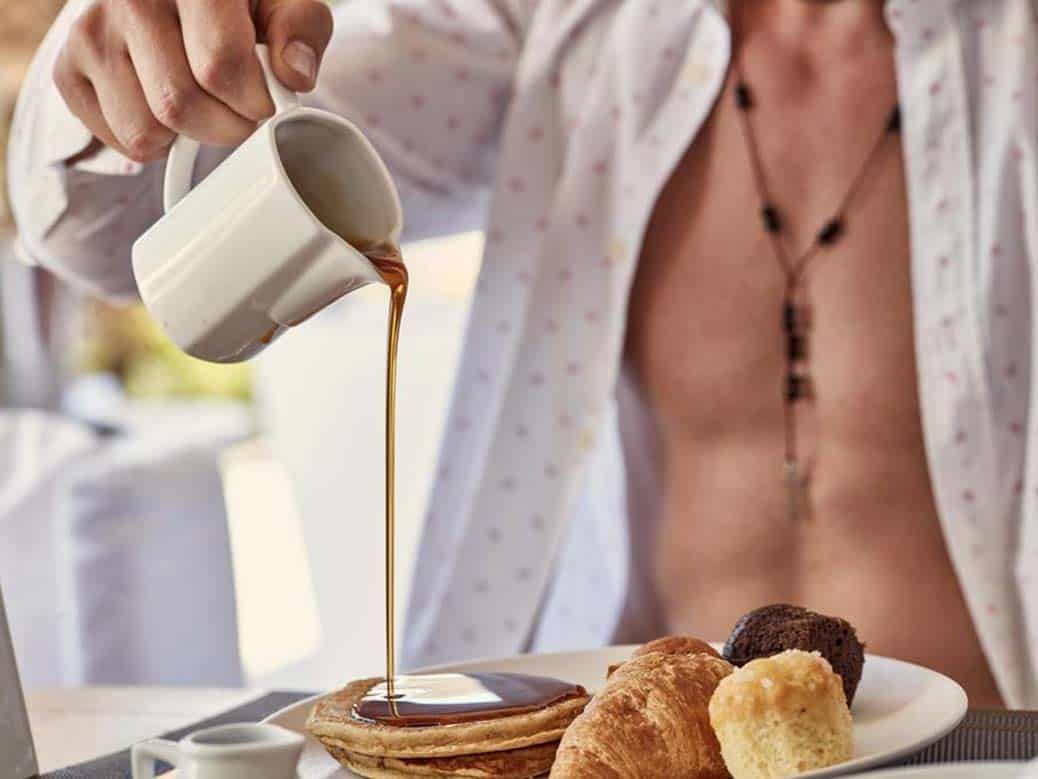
[[126, 341]]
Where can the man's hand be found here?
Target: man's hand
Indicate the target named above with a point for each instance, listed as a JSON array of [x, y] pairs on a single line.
[[140, 72]]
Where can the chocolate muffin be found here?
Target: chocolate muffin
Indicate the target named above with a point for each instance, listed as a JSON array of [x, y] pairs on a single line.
[[772, 629]]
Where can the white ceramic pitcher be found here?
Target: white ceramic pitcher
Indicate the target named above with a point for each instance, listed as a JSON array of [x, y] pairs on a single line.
[[244, 751], [267, 239]]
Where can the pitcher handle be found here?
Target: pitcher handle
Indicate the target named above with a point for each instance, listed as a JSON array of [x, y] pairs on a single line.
[[180, 165], [144, 755]]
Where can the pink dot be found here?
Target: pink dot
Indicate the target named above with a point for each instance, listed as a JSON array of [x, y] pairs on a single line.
[[536, 379], [927, 33], [535, 133], [591, 316], [551, 471], [1011, 370], [992, 609], [541, 224], [601, 167], [516, 185], [581, 221], [407, 145], [668, 52], [943, 261], [523, 277], [128, 167], [1001, 310], [960, 437], [461, 74], [443, 472], [942, 205], [552, 326], [374, 75], [1018, 487], [615, 113], [1016, 428], [554, 80], [453, 123], [968, 496], [122, 200], [496, 235], [996, 250], [419, 54], [372, 120], [573, 368], [935, 88], [418, 101], [951, 376], [565, 274], [463, 424], [537, 522]]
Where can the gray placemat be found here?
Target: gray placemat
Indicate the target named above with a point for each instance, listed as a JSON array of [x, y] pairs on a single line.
[[117, 766], [983, 735], [986, 735]]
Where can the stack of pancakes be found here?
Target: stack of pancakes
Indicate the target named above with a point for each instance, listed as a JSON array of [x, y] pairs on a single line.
[[516, 746]]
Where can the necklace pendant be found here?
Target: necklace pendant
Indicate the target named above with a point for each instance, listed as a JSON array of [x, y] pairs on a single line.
[[796, 484]]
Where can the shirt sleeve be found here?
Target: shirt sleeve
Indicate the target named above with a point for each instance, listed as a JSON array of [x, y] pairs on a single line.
[[426, 80]]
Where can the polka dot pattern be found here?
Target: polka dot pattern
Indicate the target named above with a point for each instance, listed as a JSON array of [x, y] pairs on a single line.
[[572, 144]]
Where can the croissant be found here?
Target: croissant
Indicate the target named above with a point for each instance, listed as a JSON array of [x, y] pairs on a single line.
[[650, 720]]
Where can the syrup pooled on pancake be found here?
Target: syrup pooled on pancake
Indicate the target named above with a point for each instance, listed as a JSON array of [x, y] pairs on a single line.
[[445, 699]]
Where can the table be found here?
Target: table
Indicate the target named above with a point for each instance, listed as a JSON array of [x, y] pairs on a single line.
[[76, 724]]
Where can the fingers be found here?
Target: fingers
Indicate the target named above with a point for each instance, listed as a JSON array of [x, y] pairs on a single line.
[[220, 40], [125, 108], [297, 32], [78, 94], [156, 48]]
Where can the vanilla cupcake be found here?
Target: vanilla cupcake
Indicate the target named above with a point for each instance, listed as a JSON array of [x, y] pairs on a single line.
[[782, 715]]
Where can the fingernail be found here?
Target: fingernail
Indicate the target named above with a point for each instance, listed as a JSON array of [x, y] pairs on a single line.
[[302, 59]]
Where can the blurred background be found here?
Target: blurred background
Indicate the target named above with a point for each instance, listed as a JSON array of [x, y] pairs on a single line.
[[168, 521]]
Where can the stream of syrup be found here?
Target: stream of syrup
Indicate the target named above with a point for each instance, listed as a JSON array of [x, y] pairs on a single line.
[[433, 699], [390, 265]]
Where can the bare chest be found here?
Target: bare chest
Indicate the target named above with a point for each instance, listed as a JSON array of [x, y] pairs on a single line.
[[706, 343], [706, 310]]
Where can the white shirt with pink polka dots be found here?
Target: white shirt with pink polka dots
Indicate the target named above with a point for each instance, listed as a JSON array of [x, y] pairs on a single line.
[[570, 114]]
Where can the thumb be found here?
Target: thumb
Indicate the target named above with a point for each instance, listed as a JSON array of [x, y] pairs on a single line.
[[297, 32]]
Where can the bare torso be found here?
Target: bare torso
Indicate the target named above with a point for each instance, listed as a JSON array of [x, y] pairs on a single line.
[[706, 346]]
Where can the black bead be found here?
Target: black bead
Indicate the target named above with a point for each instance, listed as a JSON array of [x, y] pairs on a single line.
[[797, 387], [772, 221], [743, 96], [894, 123], [833, 229], [797, 347], [789, 317]]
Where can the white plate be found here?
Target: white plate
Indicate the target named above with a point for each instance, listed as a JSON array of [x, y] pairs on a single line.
[[955, 771], [899, 708]]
